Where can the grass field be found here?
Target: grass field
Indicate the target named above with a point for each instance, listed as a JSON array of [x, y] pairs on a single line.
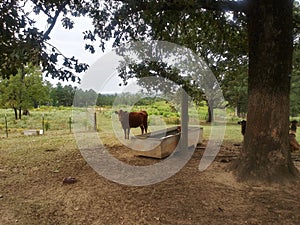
[[58, 135], [55, 120], [33, 149], [32, 169]]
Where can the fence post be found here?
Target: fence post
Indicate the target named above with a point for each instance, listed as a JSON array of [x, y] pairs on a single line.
[[184, 120], [6, 126], [95, 121], [70, 124], [43, 123]]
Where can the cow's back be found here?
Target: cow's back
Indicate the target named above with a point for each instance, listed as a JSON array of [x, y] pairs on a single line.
[[136, 119], [145, 113]]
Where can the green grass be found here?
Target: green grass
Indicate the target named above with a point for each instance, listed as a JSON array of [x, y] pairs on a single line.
[[34, 150], [232, 132], [22, 147], [108, 121], [55, 118], [161, 115]]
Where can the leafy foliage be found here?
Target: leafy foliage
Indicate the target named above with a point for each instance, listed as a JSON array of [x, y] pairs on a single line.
[[218, 37], [205, 27], [24, 90], [21, 42]]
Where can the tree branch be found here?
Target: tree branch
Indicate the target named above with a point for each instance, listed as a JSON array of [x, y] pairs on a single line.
[[40, 6], [54, 19], [224, 5], [179, 5], [60, 53]]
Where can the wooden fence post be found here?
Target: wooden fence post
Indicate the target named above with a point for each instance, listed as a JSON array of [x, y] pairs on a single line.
[[6, 126], [43, 123], [70, 124], [184, 120], [95, 121]]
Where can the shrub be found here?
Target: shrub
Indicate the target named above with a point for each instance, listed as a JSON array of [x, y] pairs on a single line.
[[47, 125], [172, 120]]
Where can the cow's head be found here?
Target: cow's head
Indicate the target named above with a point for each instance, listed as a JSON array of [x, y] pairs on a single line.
[[122, 114], [243, 122], [294, 122]]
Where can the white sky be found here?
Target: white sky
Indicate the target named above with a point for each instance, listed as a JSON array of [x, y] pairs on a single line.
[[70, 43]]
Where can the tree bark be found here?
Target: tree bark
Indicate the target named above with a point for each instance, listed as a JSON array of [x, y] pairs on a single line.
[[20, 113], [210, 112], [266, 151], [16, 113]]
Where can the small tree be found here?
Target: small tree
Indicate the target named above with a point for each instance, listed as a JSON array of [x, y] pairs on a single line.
[[24, 90]]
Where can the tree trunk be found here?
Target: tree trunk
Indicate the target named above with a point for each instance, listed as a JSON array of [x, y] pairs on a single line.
[[266, 151], [16, 113], [210, 112], [20, 112]]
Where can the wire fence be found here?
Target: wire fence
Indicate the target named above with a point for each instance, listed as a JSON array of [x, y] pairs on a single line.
[[62, 118], [44, 120]]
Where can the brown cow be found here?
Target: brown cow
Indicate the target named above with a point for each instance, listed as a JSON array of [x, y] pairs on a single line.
[[133, 119]]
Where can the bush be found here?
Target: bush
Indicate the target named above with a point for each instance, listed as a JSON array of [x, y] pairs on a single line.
[[172, 120], [47, 125]]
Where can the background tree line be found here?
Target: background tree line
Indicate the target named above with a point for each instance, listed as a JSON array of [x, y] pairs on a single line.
[[28, 90]]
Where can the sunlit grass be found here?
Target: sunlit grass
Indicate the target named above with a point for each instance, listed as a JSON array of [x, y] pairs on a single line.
[[52, 118], [57, 121]]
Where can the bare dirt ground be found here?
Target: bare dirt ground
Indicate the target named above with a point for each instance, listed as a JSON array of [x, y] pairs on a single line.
[[35, 194]]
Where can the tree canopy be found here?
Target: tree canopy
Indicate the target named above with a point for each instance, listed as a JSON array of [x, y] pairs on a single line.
[[24, 90], [21, 41]]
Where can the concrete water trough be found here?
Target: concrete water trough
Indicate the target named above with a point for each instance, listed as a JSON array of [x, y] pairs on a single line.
[[32, 132], [160, 144]]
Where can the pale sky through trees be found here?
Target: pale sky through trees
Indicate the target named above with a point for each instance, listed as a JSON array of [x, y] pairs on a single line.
[[71, 43]]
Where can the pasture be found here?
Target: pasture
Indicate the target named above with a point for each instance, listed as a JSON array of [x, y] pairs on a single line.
[[32, 169]]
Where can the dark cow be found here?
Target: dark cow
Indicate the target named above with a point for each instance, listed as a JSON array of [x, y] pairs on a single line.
[[293, 127], [243, 126], [133, 119], [293, 142], [292, 135]]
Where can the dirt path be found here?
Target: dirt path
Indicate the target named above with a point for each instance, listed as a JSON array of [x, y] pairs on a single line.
[[35, 195]]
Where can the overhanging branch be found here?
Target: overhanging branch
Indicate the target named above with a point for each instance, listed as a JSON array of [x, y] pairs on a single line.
[[223, 5], [179, 5], [54, 19]]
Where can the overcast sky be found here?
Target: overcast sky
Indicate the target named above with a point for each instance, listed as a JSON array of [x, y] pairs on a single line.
[[71, 43]]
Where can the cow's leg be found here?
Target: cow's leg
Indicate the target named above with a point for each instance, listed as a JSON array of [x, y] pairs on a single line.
[[142, 128], [128, 131], [124, 133]]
